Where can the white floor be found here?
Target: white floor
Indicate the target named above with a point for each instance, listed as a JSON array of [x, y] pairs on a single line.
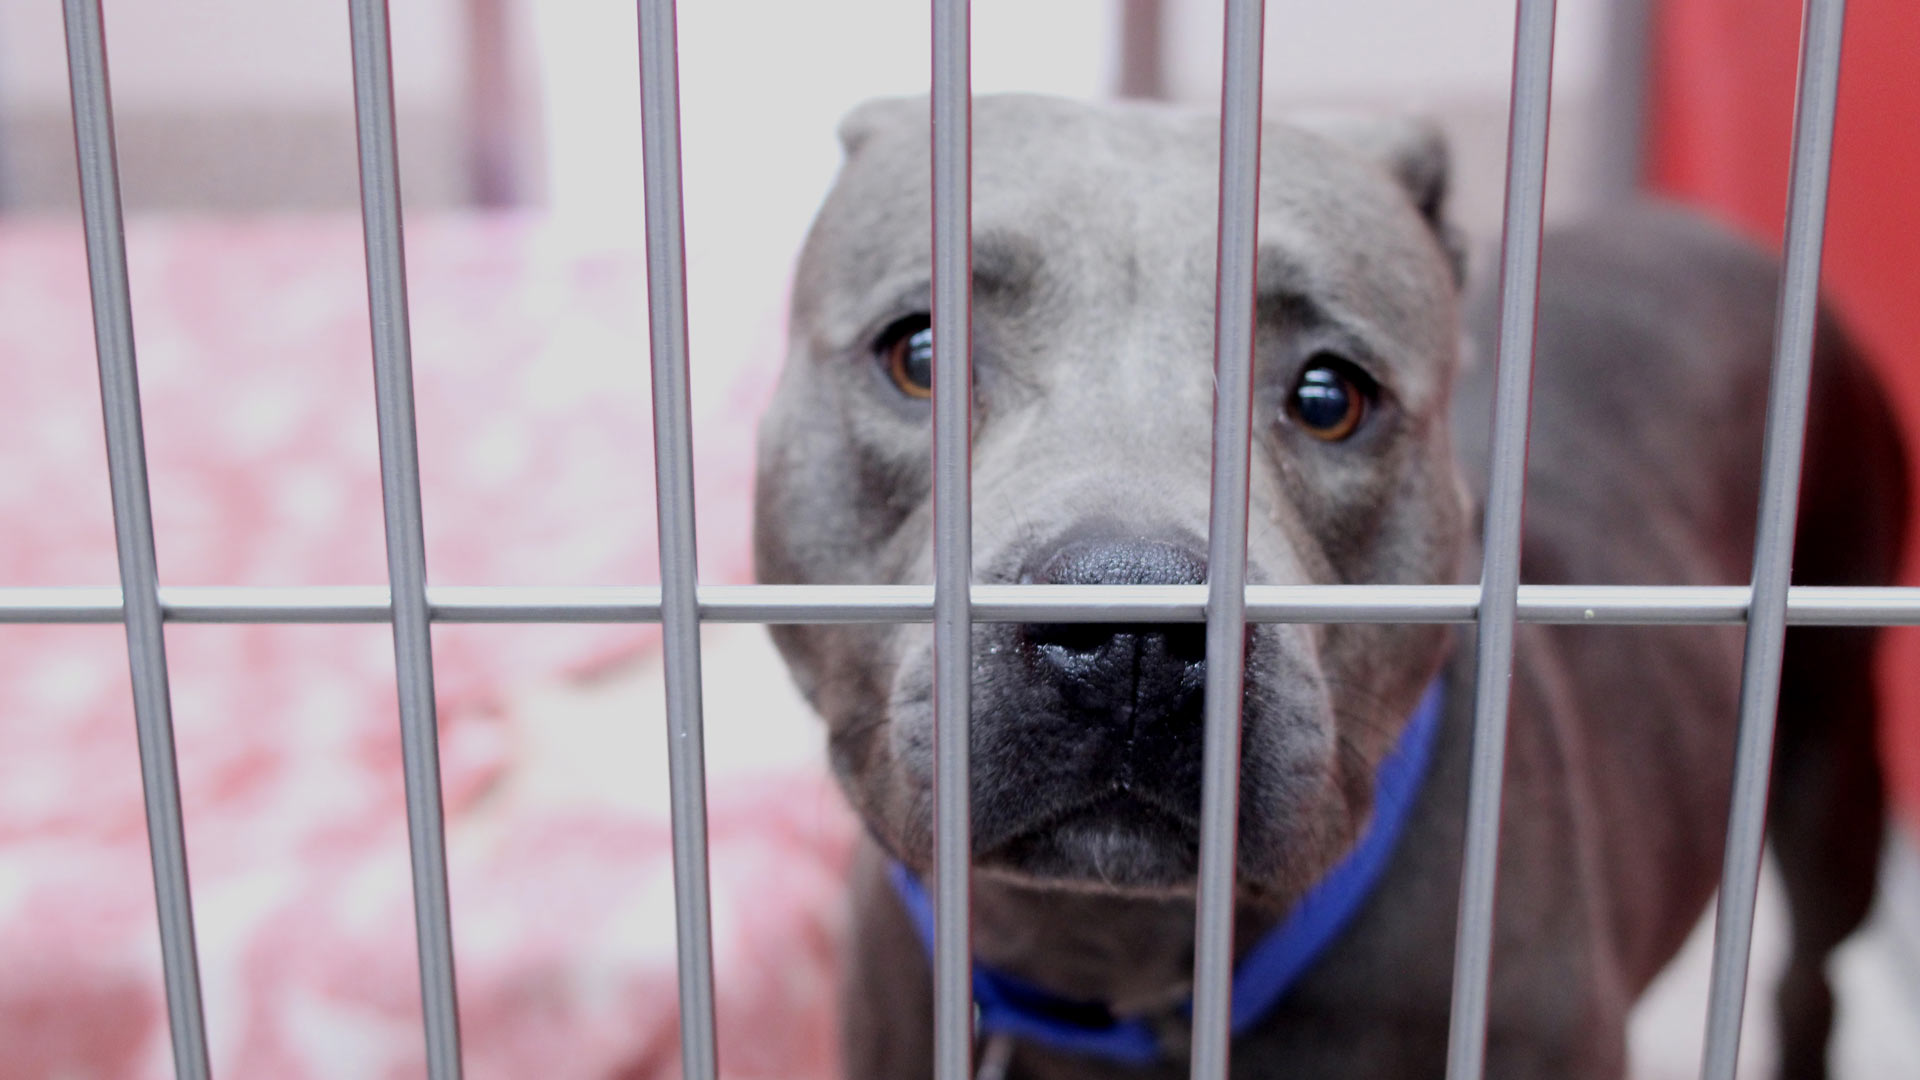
[[1876, 983]]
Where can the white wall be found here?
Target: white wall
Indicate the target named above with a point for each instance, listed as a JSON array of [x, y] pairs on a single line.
[[763, 86], [1382, 50], [1448, 59], [764, 83], [216, 53], [226, 53], [234, 105]]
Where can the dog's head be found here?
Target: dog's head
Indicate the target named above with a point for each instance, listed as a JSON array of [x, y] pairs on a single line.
[[1094, 260]]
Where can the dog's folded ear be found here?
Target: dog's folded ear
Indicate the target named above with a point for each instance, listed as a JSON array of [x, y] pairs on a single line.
[[879, 114], [1411, 149]]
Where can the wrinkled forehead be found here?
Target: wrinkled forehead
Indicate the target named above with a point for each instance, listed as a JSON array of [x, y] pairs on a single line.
[[1072, 192]]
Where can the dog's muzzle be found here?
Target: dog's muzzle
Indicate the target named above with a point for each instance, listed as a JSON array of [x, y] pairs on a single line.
[[1125, 674], [1089, 736]]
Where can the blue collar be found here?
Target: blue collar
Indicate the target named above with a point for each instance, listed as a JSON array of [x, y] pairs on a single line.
[[1007, 1005]]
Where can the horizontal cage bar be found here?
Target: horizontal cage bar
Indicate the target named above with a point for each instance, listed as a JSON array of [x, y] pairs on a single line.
[[1599, 605]]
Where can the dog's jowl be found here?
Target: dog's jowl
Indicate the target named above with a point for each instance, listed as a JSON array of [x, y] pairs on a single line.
[[1094, 247]]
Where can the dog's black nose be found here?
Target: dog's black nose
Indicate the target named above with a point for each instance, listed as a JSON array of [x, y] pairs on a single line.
[[1122, 666]]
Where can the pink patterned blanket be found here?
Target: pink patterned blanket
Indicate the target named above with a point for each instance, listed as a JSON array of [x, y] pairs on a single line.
[[535, 454]]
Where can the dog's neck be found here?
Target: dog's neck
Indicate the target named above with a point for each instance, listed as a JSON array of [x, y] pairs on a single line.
[[1133, 954]]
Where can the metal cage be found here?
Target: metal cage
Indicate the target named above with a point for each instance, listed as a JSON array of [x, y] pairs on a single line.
[[680, 604]]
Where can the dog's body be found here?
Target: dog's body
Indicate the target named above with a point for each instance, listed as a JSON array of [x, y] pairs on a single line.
[[1094, 248]]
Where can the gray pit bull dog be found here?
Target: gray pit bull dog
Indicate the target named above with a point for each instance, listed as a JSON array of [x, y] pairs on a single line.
[[1094, 248]]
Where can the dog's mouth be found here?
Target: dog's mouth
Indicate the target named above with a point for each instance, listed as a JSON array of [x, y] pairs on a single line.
[[1119, 839]]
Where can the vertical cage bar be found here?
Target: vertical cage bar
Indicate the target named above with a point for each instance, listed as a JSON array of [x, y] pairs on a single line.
[[1506, 491], [133, 528], [1795, 317], [1626, 54], [951, 108], [1234, 286], [406, 543], [679, 574]]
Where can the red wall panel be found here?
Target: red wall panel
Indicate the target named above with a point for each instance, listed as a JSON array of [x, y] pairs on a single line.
[[1723, 74]]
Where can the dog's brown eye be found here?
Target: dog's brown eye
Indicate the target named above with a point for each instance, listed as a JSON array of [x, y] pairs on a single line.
[[908, 352], [1330, 400]]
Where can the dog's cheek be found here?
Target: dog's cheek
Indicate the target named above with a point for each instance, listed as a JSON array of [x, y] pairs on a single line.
[[883, 481], [1010, 756], [1028, 748], [1348, 509], [1289, 761], [1390, 515], [905, 720], [1375, 674], [829, 665], [847, 673], [893, 488], [799, 649], [1432, 522], [835, 485]]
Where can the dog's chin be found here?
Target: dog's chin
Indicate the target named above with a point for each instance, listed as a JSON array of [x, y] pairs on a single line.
[[1115, 844]]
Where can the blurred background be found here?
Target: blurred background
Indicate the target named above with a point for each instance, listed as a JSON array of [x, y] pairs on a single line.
[[520, 160]]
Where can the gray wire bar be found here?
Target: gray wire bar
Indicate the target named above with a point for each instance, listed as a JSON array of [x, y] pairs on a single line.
[[133, 529], [1226, 604], [1500, 570], [1773, 544], [1594, 605], [406, 543], [1234, 286], [679, 575], [951, 108]]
